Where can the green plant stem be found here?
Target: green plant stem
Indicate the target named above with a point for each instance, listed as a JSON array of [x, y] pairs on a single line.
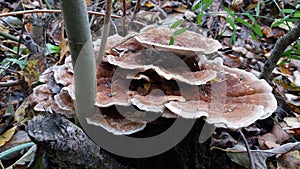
[[49, 7], [224, 13], [9, 36], [82, 52], [14, 149], [105, 31], [278, 49]]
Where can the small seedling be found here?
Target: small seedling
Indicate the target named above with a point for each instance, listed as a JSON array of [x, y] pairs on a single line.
[[177, 32]]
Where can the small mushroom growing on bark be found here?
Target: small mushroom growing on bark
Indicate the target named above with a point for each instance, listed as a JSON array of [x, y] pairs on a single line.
[[144, 76]]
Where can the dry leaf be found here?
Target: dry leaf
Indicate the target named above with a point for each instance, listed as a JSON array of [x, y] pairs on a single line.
[[239, 154], [6, 136], [64, 49], [290, 160], [268, 141]]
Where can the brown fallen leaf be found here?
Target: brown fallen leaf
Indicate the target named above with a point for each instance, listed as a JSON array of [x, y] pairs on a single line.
[[268, 141], [290, 160]]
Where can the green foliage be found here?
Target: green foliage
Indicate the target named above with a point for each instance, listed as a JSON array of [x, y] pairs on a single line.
[[292, 53], [289, 15], [253, 25], [177, 32], [233, 19], [51, 49], [203, 5], [9, 61]]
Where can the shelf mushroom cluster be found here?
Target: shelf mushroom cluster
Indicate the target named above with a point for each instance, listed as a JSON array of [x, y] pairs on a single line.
[[144, 78]]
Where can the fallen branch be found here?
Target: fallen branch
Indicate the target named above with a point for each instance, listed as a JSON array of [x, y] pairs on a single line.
[[278, 49], [50, 11], [66, 145]]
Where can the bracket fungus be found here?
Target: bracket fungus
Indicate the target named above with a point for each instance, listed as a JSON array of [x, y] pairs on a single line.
[[146, 75]]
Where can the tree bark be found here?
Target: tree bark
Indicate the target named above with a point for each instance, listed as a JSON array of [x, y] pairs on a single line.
[[65, 144]]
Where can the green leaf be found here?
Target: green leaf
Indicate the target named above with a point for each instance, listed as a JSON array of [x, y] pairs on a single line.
[[289, 11], [284, 62], [253, 36], [294, 57], [229, 12], [197, 6], [296, 14], [231, 23], [20, 63], [277, 23], [180, 31], [50, 49], [286, 53], [257, 9], [297, 52], [171, 42], [207, 4], [257, 30], [240, 20], [233, 37], [251, 17], [200, 16], [177, 23]]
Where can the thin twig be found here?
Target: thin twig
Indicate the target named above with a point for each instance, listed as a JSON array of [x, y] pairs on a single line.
[[93, 17], [10, 50], [105, 31], [50, 11], [248, 149], [12, 83], [136, 10], [124, 18]]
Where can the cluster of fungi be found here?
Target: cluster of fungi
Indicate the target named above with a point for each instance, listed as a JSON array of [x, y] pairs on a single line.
[[144, 78]]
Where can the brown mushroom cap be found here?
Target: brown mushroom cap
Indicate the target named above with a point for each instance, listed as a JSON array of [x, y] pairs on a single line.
[[154, 101], [111, 93], [163, 67], [247, 99], [188, 43], [115, 123]]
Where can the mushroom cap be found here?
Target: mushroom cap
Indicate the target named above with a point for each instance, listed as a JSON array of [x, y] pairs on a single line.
[[130, 75], [245, 101], [113, 122], [154, 101], [117, 127], [111, 93], [187, 43], [161, 64]]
